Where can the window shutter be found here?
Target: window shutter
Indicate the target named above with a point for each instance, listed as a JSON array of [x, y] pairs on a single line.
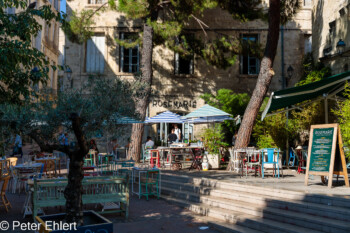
[[95, 48], [38, 41], [100, 62], [89, 55]]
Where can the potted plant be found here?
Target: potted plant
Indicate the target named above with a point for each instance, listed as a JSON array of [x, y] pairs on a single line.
[[212, 142]]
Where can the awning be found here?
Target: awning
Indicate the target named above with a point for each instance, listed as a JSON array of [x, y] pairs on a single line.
[[165, 117], [323, 89], [207, 111]]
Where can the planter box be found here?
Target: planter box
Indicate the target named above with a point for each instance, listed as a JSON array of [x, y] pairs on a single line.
[[93, 222], [213, 161]]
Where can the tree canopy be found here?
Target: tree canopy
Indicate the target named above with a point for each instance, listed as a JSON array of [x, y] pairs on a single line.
[[22, 66]]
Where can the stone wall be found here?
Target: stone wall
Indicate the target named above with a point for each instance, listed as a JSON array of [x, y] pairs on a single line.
[[181, 93], [330, 21]]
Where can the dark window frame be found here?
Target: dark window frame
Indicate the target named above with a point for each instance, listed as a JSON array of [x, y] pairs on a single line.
[[122, 54], [245, 69]]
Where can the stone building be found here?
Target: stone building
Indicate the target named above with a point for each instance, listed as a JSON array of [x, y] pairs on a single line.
[[178, 82], [331, 37], [47, 39]]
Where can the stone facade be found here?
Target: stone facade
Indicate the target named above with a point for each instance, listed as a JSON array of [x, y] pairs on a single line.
[[47, 42], [181, 92], [330, 24]]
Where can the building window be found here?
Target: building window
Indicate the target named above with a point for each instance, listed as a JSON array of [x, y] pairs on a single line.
[[184, 64], [11, 10], [346, 68], [95, 49], [94, 2], [248, 61], [129, 57], [307, 3], [38, 41], [332, 28], [307, 43]]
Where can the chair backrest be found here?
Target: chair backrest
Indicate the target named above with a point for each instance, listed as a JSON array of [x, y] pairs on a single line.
[[154, 174], [13, 161], [271, 154], [41, 171]]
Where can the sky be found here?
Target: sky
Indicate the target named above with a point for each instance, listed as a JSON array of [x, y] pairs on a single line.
[[63, 6]]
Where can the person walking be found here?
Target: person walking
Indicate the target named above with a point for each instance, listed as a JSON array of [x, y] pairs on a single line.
[[17, 148]]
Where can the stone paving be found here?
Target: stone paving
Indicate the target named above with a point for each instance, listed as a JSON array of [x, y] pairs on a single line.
[[145, 216]]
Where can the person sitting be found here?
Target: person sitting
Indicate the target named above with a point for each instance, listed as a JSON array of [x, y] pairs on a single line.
[[172, 137], [112, 146], [93, 145], [149, 143]]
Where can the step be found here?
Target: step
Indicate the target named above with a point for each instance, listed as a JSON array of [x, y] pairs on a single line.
[[271, 192], [314, 220], [230, 228], [322, 210], [282, 215], [250, 221]]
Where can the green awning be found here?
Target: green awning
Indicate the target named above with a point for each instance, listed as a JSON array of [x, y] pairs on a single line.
[[322, 89]]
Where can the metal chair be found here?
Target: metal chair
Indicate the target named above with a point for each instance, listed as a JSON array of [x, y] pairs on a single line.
[[89, 158], [292, 156], [273, 155], [253, 161], [150, 184]]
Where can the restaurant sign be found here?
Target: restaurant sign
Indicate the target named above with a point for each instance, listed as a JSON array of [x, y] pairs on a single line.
[[175, 104]]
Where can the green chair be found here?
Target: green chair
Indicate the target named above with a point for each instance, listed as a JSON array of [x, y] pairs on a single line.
[[89, 159], [126, 168], [150, 184]]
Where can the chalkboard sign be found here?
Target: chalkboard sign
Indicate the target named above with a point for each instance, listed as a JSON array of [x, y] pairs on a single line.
[[326, 155], [321, 149]]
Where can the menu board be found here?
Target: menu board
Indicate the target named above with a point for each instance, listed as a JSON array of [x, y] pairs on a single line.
[[326, 154], [321, 150]]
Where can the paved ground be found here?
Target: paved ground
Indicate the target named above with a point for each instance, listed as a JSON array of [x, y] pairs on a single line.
[[145, 217]]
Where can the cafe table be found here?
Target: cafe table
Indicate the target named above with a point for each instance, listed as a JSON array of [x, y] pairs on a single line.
[[137, 173], [184, 151]]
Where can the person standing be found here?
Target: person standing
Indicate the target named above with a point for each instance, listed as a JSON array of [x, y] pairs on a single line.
[[172, 137], [17, 149], [177, 131]]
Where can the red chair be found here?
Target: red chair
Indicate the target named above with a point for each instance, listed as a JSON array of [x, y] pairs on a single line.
[[154, 160], [302, 161]]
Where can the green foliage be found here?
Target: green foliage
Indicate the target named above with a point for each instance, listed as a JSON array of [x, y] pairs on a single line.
[[265, 141], [78, 28], [343, 114], [231, 103], [17, 56], [274, 131], [98, 111], [213, 140]]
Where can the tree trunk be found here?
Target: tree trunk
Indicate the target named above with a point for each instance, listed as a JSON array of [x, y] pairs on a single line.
[[74, 189], [143, 99], [265, 75], [136, 138]]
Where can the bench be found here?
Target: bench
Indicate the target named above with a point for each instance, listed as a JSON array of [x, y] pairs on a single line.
[[105, 189]]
